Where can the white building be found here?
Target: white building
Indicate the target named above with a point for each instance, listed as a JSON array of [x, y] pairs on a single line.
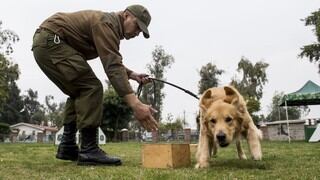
[[33, 133]]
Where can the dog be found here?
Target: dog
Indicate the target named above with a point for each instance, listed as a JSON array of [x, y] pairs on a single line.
[[223, 118]]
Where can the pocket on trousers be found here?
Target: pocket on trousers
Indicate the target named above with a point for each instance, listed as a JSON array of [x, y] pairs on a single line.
[[39, 40], [72, 67], [59, 52]]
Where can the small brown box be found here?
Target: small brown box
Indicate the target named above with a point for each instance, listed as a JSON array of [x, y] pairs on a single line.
[[165, 155]]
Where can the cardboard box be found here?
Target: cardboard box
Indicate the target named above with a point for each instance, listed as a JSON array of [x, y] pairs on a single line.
[[165, 155]]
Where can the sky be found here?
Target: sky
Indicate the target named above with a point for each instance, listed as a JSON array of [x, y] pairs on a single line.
[[194, 33]]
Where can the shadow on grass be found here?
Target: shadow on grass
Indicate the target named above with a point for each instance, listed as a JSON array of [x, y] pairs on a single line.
[[240, 164]]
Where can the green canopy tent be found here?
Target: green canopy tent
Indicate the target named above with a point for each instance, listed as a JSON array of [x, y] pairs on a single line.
[[309, 94]]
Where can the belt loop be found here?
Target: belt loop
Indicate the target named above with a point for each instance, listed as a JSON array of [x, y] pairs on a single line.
[[56, 39]]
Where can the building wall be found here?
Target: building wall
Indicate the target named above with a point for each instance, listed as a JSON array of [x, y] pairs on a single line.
[[280, 132], [27, 133]]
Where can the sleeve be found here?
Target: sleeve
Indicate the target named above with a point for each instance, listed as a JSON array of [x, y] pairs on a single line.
[[107, 45], [129, 71]]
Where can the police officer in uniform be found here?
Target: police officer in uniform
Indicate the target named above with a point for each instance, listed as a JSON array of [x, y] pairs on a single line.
[[62, 46]]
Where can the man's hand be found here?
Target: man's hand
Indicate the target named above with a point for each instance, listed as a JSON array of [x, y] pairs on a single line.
[[140, 78], [142, 112]]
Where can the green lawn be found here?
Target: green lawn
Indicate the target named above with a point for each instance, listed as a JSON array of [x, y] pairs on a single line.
[[298, 160]]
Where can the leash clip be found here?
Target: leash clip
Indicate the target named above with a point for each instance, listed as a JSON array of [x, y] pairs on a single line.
[[56, 39]]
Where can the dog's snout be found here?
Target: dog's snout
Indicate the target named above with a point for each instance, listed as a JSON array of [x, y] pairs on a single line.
[[221, 137]]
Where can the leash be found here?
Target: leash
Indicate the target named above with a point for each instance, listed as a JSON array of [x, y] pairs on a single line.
[[153, 80]]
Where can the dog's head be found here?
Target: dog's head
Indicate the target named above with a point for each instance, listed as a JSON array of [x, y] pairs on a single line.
[[221, 113]]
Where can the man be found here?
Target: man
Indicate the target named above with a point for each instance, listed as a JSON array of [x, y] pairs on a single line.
[[62, 45]]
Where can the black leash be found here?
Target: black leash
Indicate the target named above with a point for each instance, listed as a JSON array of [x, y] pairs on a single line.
[[159, 80]]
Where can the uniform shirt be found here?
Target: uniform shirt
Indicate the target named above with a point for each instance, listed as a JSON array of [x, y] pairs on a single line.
[[92, 34]]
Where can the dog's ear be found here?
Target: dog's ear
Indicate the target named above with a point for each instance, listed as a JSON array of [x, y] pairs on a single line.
[[233, 97], [206, 100]]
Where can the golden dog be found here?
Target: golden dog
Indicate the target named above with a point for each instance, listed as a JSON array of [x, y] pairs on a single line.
[[224, 117]]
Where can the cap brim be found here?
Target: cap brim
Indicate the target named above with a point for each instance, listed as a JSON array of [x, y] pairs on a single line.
[[143, 28]]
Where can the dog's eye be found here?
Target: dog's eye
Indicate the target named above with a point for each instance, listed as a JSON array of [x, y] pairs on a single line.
[[228, 119], [213, 121]]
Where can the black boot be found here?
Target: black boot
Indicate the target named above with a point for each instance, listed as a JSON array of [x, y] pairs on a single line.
[[90, 153], [68, 149]]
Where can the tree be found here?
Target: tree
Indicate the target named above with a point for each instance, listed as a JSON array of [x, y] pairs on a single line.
[[33, 110], [59, 116], [279, 113], [312, 51], [7, 38], [160, 62], [54, 112], [171, 125], [254, 77], [11, 112], [208, 77], [116, 113], [9, 73], [4, 131]]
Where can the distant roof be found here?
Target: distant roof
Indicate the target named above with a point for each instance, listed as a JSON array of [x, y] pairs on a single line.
[[309, 94], [309, 87], [42, 128]]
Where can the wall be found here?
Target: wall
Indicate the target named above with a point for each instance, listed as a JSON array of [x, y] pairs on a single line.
[[280, 132], [28, 132]]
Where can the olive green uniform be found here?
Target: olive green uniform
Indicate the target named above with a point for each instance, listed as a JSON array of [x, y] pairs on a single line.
[[63, 44]]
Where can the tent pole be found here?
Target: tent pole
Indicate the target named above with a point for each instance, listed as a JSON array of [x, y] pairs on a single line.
[[285, 102]]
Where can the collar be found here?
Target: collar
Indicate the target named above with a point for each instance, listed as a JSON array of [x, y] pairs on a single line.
[[118, 24]]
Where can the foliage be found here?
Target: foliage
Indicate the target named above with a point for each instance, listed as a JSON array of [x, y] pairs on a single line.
[[7, 38], [54, 112], [4, 131], [279, 113], [58, 117], [11, 112], [312, 51], [116, 113], [208, 77], [171, 125], [33, 110], [9, 73], [160, 62], [254, 77], [4, 128]]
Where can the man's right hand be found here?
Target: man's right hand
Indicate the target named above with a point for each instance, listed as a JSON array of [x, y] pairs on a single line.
[[142, 112]]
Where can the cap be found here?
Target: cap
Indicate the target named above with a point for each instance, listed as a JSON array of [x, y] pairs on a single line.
[[143, 17]]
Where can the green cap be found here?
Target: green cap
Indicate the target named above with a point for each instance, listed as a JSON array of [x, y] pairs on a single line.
[[143, 18]]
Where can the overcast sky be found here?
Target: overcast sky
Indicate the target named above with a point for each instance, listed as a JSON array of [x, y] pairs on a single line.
[[195, 33]]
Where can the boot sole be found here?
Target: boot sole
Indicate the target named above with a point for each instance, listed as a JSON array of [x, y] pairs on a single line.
[[66, 158], [80, 163]]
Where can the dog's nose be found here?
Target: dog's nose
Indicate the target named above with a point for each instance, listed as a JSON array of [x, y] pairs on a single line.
[[221, 137]]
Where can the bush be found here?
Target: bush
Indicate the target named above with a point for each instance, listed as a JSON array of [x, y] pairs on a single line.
[[4, 128], [4, 131]]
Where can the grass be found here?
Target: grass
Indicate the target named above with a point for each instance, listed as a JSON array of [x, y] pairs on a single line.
[[298, 160]]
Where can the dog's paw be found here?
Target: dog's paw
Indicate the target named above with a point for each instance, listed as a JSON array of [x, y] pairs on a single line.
[[257, 157], [202, 165], [242, 157]]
